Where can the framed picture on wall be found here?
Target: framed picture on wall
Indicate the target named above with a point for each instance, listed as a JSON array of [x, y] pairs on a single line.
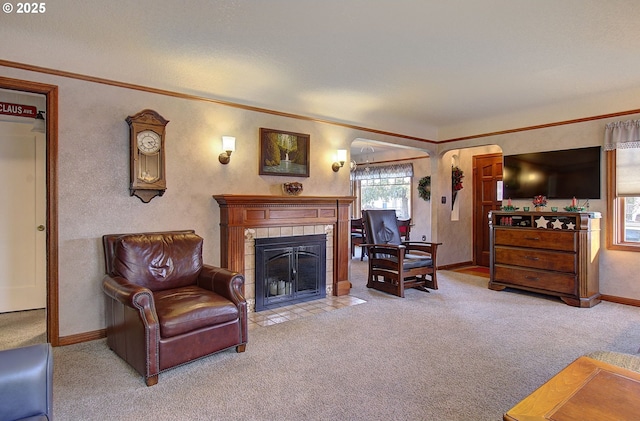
[[284, 153]]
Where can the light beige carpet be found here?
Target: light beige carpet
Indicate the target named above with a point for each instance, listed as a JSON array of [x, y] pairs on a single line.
[[22, 328], [462, 352]]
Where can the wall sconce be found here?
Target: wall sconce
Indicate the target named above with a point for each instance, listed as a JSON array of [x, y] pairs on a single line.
[[342, 157], [38, 123], [228, 145]]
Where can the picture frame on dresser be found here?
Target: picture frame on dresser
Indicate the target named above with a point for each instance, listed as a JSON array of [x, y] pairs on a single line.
[[284, 153]]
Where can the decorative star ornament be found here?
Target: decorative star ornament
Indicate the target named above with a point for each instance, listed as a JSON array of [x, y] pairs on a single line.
[[541, 222], [571, 226], [557, 224]]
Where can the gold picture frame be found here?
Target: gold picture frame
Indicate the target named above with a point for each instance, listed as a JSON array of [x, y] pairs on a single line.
[[284, 153]]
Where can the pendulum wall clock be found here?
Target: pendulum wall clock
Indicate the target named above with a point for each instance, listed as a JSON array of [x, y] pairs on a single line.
[[147, 145]]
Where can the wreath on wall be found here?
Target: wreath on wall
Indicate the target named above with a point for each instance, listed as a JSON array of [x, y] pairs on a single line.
[[424, 188]]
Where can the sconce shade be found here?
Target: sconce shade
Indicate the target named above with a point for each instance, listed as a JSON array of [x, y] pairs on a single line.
[[228, 145], [342, 157]]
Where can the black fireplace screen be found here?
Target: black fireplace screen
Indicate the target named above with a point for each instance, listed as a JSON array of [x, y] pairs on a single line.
[[290, 270]]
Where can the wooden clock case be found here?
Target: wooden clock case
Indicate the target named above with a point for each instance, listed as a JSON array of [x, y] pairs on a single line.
[[147, 171]]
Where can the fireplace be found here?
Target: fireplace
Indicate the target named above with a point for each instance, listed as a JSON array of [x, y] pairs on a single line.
[[289, 270], [244, 218]]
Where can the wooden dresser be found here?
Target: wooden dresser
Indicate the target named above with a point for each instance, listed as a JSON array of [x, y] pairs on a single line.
[[553, 253]]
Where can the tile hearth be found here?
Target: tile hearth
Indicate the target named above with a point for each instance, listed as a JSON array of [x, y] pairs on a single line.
[[300, 310]]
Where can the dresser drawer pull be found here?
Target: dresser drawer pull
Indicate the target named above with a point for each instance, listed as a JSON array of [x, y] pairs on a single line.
[[532, 257], [531, 278], [532, 238]]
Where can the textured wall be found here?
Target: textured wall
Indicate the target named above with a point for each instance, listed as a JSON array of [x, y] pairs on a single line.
[[93, 181], [93, 177], [617, 268]]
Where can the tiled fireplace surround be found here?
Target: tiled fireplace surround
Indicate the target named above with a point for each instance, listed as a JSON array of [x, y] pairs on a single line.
[[245, 218], [250, 234]]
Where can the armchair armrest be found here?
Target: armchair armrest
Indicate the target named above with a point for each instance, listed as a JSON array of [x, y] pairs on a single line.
[[131, 295], [386, 251], [223, 282], [26, 382], [123, 333], [422, 246]]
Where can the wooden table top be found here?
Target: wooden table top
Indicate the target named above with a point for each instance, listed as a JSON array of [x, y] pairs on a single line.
[[586, 389]]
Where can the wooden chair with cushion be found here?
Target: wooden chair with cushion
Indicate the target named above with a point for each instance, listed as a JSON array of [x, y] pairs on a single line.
[[164, 307], [357, 236], [395, 265], [404, 226]]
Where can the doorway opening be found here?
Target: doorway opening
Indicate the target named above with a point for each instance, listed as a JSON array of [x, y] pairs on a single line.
[[50, 226], [487, 174]]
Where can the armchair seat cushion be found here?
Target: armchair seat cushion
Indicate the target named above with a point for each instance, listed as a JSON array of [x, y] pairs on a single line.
[[182, 310], [412, 261]]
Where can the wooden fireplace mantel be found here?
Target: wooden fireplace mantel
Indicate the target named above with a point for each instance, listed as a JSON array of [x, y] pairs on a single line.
[[238, 212]]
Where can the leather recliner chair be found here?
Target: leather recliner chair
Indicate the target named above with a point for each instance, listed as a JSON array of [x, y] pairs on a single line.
[[164, 307], [26, 383]]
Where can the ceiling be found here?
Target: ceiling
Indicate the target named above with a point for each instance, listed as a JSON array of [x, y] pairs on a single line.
[[430, 69]]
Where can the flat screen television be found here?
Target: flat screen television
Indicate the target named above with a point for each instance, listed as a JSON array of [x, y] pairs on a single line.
[[561, 174]]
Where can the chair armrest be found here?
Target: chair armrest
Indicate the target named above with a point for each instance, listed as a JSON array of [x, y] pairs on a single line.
[[421, 246], [131, 295], [385, 251], [223, 282], [391, 246], [26, 382]]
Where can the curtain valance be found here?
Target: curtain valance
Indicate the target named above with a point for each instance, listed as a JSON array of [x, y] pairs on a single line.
[[624, 138], [382, 171], [622, 135]]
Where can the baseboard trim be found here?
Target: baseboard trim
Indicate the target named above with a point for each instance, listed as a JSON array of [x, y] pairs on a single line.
[[455, 265], [620, 300], [102, 333], [82, 337]]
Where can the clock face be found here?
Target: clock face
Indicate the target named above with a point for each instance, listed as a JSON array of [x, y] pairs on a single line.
[[148, 142]]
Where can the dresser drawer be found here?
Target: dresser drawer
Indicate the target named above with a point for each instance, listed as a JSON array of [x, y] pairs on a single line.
[[533, 258], [548, 281], [542, 239]]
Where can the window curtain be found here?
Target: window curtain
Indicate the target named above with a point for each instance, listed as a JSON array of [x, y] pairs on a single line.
[[624, 138], [382, 171]]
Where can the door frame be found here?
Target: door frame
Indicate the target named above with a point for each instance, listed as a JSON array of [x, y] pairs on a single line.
[[51, 94]]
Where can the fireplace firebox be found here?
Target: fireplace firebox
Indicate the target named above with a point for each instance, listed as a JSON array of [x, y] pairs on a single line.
[[290, 270]]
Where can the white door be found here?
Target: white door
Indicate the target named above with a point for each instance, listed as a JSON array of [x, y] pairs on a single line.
[[22, 218]]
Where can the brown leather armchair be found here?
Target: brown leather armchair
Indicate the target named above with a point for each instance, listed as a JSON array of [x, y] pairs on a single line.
[[164, 307]]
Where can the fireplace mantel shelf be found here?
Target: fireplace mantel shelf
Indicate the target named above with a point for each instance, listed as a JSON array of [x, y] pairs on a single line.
[[238, 212], [240, 199]]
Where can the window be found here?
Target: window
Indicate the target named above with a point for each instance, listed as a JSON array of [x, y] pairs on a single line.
[[631, 220], [622, 142], [387, 193], [385, 187]]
